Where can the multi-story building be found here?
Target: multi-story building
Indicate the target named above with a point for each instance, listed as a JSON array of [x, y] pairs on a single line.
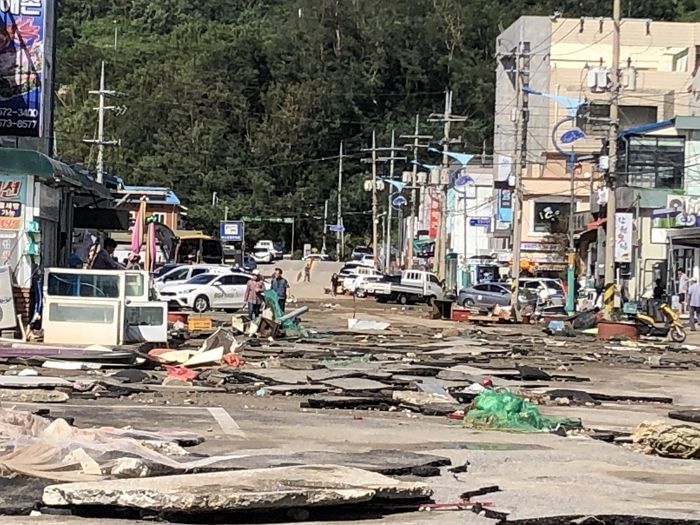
[[564, 63]]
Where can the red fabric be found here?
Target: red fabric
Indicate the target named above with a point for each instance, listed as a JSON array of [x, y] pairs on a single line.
[[181, 372]]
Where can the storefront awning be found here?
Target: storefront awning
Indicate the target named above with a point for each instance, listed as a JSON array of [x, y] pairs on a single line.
[[19, 162], [23, 162], [689, 237]]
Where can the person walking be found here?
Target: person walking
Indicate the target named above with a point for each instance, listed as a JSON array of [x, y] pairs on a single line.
[[253, 294], [281, 287], [334, 284], [683, 284], [307, 270], [694, 302]]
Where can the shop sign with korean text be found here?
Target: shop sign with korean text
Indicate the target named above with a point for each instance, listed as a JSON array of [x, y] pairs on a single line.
[[22, 59], [624, 224], [13, 188]]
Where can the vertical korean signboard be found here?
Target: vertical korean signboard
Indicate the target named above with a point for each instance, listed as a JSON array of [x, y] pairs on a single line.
[[22, 58], [434, 214], [623, 237]]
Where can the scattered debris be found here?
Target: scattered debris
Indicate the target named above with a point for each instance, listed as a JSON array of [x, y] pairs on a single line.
[[365, 324], [268, 488], [669, 441], [507, 411]]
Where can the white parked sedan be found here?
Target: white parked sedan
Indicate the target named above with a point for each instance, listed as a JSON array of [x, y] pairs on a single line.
[[183, 273], [207, 291]]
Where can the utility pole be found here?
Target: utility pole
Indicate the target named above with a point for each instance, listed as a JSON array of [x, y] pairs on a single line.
[[411, 232], [373, 183], [387, 252], [325, 225], [612, 149], [101, 142], [447, 119], [374, 195], [522, 77], [391, 159], [339, 215]]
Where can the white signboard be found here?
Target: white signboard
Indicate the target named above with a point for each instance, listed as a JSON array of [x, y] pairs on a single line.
[[623, 237]]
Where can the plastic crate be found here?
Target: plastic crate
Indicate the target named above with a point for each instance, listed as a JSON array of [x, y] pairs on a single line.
[[460, 314], [199, 324]]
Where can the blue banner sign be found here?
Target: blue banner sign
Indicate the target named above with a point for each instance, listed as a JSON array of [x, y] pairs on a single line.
[[231, 231]]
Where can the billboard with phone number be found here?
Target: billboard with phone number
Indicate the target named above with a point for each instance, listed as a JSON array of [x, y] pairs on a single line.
[[21, 66]]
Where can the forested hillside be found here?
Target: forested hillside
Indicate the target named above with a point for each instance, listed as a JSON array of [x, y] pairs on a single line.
[[250, 99]]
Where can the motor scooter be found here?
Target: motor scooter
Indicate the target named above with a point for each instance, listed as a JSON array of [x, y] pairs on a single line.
[[660, 321]]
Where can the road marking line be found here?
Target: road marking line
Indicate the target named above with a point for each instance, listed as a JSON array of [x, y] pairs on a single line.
[[225, 421]]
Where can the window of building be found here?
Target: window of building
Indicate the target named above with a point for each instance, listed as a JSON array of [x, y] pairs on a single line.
[[680, 61], [653, 162], [550, 217], [594, 119], [631, 116]]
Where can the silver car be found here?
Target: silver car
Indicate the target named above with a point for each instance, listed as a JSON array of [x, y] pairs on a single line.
[[490, 294], [485, 294]]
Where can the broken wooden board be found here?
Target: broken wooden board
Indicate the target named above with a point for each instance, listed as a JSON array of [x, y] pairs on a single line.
[[269, 488]]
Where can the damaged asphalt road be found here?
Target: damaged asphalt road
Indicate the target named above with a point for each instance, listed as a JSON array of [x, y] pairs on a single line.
[[387, 402]]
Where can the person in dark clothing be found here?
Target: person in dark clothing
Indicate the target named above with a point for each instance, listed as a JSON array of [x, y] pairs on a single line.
[[281, 287], [105, 257], [659, 291], [334, 284]]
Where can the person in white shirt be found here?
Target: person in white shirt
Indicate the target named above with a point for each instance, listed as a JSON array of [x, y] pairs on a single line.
[[683, 283]]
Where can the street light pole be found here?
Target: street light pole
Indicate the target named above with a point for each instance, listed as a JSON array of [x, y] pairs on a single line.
[[570, 161]]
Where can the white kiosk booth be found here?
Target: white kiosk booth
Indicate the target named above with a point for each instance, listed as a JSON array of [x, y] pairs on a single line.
[[107, 307]]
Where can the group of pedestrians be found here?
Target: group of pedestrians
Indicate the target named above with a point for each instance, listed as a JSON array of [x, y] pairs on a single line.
[[255, 288]]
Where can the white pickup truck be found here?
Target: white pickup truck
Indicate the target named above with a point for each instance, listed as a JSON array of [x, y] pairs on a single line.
[[413, 286]]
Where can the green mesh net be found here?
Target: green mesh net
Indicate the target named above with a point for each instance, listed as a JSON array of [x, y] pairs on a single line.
[[504, 410]]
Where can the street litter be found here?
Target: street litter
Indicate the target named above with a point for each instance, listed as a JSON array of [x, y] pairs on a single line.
[[365, 324], [669, 441], [503, 410], [37, 447]]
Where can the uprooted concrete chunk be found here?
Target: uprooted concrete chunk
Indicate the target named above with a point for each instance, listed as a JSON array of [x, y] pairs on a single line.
[[669, 441], [273, 488]]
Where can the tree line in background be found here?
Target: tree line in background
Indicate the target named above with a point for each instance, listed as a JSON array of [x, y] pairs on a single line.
[[251, 98]]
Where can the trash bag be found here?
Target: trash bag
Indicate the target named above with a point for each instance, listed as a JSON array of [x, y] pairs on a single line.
[[585, 320], [504, 410]]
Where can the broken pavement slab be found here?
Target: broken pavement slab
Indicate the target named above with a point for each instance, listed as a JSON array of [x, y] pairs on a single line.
[[273, 488], [356, 384], [33, 382]]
